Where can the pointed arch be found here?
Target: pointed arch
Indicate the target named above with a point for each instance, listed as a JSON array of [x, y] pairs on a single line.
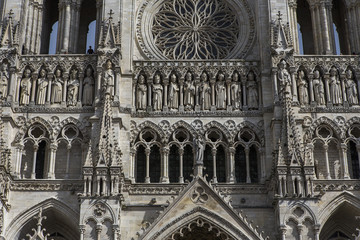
[[68, 214], [324, 120], [222, 128], [89, 213], [36, 120], [74, 121], [308, 213], [151, 125], [185, 125]]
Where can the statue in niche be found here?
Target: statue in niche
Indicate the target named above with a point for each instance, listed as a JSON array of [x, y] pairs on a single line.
[[73, 88], [173, 93], [57, 87], [221, 92], [109, 79], [42, 84], [199, 147], [351, 88], [157, 89], [335, 87], [88, 92], [205, 92], [25, 85], [284, 78], [319, 90], [337, 169], [141, 93], [252, 91], [4, 80], [189, 92], [236, 91], [303, 88]]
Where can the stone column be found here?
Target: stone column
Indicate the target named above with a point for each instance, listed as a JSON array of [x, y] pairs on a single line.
[[342, 81], [262, 155], [165, 163], [17, 88], [30, 19], [213, 103], [82, 232], [13, 82], [231, 177], [228, 92], [67, 160], [300, 228], [53, 149], [77, 27], [98, 85], [133, 97], [327, 38], [132, 165], [149, 89], [317, 231], [147, 152], [213, 152], [98, 231], [117, 84], [315, 26], [344, 148], [351, 23], [247, 151], [294, 29], [282, 231], [34, 77], [34, 27], [66, 37], [326, 148], [19, 152], [275, 84], [165, 98], [81, 77], [60, 26], [99, 7], [327, 90], [181, 175], [181, 93], [39, 29], [280, 186], [33, 173], [294, 85], [311, 87], [244, 92], [48, 97], [357, 13]]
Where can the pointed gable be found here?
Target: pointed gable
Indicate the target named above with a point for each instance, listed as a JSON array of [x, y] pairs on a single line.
[[200, 206]]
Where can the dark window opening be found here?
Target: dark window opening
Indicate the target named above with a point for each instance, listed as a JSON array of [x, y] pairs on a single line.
[[40, 161], [155, 164], [306, 39], [254, 170], [208, 163], [174, 164], [49, 27], [188, 163], [87, 16], [354, 158], [140, 164], [240, 164], [221, 164], [341, 35]]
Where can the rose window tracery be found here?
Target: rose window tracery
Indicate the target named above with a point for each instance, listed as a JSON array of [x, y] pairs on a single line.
[[200, 29]]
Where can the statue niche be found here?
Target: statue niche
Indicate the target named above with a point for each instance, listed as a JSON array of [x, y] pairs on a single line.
[[57, 87], [141, 93], [108, 79], [335, 87], [319, 89], [284, 78], [303, 88], [235, 92], [189, 92], [157, 89], [173, 92], [252, 91], [351, 88], [25, 85], [220, 92], [205, 92], [88, 92], [4, 80], [42, 85], [73, 88]]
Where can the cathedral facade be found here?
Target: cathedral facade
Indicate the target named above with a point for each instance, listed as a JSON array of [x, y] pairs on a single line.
[[189, 119]]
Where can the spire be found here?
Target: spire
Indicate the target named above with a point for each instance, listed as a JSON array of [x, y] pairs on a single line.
[[110, 35], [281, 37], [8, 36]]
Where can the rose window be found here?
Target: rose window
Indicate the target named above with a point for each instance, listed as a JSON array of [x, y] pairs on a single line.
[[195, 29]]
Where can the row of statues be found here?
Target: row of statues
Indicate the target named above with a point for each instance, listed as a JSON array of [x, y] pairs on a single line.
[[206, 94], [57, 89], [320, 90]]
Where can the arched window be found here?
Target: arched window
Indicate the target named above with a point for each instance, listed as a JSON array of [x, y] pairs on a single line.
[[140, 164], [34, 162], [181, 157], [247, 157], [208, 163], [87, 26], [305, 29], [340, 28], [353, 150], [68, 161], [155, 164], [49, 27]]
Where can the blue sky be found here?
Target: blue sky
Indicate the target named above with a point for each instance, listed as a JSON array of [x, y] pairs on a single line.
[[90, 41]]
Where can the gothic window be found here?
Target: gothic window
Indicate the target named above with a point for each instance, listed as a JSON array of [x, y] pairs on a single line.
[[247, 157], [353, 148], [305, 29], [34, 161], [148, 157], [340, 29], [181, 156], [327, 154], [68, 161], [49, 28], [208, 163]]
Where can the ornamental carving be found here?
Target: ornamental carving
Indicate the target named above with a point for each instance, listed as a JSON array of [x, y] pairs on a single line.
[[199, 196], [184, 29]]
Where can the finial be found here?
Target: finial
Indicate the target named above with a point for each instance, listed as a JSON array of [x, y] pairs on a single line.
[[110, 14], [279, 16], [11, 13]]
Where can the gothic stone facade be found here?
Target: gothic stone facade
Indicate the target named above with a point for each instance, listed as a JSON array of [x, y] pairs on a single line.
[[193, 119]]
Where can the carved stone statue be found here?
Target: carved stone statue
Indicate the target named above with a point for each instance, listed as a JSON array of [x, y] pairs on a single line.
[[236, 92], [337, 169], [220, 92], [109, 79], [42, 84], [303, 88], [319, 90], [88, 92], [351, 88], [189, 92], [141, 93], [4, 80], [25, 85], [205, 92], [73, 88], [335, 87], [284, 78], [252, 92], [199, 147], [173, 93], [157, 89], [57, 87]]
